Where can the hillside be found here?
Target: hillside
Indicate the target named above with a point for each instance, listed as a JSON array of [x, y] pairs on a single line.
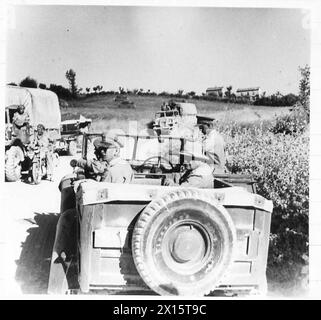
[[104, 111]]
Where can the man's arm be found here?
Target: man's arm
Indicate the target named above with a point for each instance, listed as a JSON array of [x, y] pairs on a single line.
[[94, 165]]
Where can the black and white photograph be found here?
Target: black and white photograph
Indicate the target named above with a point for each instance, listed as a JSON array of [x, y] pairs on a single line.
[[156, 150]]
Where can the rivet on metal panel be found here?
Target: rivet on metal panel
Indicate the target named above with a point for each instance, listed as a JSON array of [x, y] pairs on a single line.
[[258, 201], [102, 194], [219, 197], [152, 193]]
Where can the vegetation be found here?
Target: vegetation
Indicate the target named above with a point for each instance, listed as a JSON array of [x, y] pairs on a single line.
[[280, 164], [28, 83], [71, 77]]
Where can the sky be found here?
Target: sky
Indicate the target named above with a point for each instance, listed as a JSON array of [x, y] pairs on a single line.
[[159, 48]]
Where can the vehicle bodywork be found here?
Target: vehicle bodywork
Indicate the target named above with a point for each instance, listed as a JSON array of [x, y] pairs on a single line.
[[124, 232], [71, 135], [175, 114]]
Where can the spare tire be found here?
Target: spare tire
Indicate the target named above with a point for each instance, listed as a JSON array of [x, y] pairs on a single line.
[[183, 243], [14, 157]]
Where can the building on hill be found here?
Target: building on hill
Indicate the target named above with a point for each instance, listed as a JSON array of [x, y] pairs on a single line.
[[215, 91], [251, 93]]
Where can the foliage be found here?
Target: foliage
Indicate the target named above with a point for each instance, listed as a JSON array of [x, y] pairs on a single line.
[[294, 122], [28, 82], [12, 84], [42, 86], [71, 77], [277, 100], [280, 164], [61, 92], [304, 87]]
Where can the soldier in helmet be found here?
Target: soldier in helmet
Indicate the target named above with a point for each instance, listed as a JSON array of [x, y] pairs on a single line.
[[20, 123], [109, 166]]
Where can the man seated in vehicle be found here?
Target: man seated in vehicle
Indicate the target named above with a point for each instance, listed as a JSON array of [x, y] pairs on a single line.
[[20, 122], [108, 167], [198, 174], [42, 140], [214, 147]]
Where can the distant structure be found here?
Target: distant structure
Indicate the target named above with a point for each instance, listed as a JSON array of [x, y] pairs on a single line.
[[215, 91], [251, 93]]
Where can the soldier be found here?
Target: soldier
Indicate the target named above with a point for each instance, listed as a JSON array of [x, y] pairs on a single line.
[[20, 123], [198, 174], [108, 167], [214, 147], [44, 143], [41, 139]]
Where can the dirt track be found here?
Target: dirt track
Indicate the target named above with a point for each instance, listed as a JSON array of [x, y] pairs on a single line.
[[31, 214]]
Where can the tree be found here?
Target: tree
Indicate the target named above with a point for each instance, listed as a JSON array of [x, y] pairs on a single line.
[[192, 94], [28, 82], [71, 77], [87, 90], [61, 91], [304, 94], [180, 92], [12, 84], [42, 86], [121, 90], [228, 92]]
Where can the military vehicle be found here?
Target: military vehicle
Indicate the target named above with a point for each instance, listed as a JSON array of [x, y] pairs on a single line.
[[71, 135], [176, 113], [149, 238], [43, 108]]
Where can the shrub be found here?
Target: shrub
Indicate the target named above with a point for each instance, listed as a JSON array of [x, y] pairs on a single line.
[[280, 164], [294, 122]]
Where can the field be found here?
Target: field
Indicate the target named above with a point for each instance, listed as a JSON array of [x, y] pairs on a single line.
[[270, 143], [106, 115]]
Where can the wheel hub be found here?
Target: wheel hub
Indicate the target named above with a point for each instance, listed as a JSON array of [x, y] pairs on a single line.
[[187, 244]]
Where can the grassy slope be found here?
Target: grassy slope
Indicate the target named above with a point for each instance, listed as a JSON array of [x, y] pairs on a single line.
[[106, 114]]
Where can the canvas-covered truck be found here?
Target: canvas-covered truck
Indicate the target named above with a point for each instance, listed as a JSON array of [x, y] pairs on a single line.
[[42, 107], [152, 238]]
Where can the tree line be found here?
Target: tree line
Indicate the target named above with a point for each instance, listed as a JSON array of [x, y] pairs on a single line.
[[73, 92]]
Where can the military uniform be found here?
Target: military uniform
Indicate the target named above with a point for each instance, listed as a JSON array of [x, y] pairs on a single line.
[[43, 142], [117, 171], [214, 147], [199, 177], [20, 128]]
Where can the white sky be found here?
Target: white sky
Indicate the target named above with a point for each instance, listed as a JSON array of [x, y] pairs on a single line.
[[159, 48]]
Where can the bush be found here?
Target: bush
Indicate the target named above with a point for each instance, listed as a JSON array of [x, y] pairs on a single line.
[[280, 164], [294, 122]]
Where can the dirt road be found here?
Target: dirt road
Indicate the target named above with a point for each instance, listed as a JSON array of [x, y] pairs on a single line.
[[30, 214]]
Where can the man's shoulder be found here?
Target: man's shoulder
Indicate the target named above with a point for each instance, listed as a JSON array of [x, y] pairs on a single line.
[[119, 161]]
